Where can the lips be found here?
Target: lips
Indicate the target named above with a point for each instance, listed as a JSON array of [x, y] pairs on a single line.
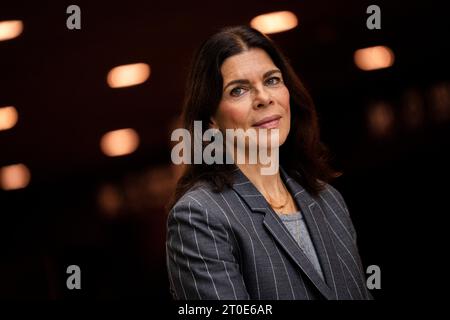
[[268, 122]]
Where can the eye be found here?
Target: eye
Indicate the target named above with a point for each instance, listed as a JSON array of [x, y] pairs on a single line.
[[238, 91], [273, 81]]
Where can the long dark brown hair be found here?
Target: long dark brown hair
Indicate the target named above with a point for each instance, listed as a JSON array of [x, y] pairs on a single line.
[[302, 155]]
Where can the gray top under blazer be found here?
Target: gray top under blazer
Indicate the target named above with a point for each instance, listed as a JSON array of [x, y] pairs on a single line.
[[232, 245]]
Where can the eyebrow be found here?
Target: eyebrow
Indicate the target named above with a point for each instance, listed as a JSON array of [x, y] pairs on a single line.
[[244, 81]]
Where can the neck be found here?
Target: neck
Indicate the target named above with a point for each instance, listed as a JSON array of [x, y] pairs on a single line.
[[270, 186]]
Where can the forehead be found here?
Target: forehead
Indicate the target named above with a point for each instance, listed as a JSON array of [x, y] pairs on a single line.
[[248, 64]]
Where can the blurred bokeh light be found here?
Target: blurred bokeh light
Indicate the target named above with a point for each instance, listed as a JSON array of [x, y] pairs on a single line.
[[128, 75], [10, 29], [119, 142], [275, 22], [373, 58], [15, 176], [8, 117]]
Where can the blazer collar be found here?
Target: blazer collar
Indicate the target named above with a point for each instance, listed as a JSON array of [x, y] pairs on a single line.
[[316, 225]]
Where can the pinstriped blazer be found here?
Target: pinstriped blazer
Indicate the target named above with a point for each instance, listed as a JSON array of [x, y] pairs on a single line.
[[232, 245]]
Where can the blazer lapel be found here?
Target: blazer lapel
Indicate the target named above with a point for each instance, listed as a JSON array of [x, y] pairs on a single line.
[[320, 236], [258, 204]]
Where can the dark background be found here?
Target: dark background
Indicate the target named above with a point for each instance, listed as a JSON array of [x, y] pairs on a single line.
[[395, 184]]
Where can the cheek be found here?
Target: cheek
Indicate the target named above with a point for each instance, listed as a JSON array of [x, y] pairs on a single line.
[[285, 100], [231, 115]]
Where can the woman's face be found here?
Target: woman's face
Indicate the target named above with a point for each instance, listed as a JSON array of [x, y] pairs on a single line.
[[254, 95]]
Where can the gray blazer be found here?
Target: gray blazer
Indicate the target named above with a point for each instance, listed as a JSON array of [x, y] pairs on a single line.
[[232, 245]]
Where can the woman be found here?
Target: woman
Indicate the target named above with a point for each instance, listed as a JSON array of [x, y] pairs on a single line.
[[235, 233]]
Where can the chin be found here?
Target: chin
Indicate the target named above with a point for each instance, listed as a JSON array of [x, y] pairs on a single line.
[[273, 140]]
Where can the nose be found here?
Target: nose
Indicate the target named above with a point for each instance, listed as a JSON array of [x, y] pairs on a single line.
[[262, 98]]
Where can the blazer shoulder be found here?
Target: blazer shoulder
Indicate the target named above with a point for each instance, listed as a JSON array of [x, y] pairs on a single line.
[[201, 195], [334, 201], [330, 191], [199, 206]]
